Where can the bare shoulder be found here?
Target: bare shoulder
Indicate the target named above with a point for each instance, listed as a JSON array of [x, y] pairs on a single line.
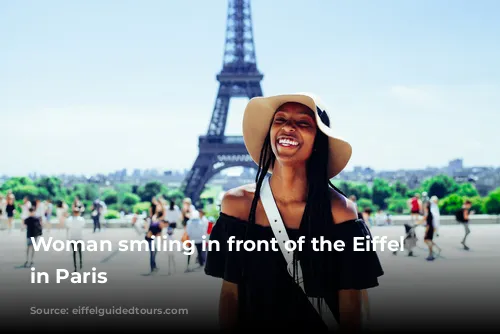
[[343, 209], [238, 201]]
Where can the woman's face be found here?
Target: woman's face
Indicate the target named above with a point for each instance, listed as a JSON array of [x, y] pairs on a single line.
[[292, 133]]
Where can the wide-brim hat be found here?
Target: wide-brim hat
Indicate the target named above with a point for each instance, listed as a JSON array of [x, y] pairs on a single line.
[[260, 111]]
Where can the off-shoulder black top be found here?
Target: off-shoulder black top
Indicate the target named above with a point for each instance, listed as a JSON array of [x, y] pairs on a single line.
[[268, 297]]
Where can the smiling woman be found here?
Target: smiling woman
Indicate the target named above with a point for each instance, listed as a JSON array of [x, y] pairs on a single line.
[[289, 137]]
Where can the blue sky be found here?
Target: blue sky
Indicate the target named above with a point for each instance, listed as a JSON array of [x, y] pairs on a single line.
[[94, 86]]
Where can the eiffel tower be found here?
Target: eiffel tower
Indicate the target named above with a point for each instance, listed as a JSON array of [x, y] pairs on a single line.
[[239, 77]]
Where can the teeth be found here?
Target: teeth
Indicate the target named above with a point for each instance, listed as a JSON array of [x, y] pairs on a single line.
[[288, 142]]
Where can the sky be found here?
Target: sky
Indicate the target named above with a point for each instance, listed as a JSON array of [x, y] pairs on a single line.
[[95, 86]]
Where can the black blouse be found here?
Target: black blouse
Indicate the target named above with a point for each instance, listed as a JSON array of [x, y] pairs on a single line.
[[267, 295]]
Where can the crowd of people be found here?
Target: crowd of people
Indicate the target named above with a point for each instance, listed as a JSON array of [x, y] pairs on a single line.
[[424, 211], [38, 216], [162, 220]]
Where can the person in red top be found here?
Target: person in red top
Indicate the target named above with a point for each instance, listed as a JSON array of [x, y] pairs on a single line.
[[415, 205]]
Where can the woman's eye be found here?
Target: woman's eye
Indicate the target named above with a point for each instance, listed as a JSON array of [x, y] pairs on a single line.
[[279, 120], [304, 124]]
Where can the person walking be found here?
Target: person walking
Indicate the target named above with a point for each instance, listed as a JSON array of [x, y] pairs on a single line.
[[436, 216], [33, 227], [196, 229], [75, 225], [429, 231], [462, 216]]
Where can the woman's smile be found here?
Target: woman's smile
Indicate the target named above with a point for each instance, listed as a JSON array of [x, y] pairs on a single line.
[[287, 141]]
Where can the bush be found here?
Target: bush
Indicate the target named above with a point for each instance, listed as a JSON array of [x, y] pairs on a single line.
[[364, 203], [130, 199], [450, 204], [112, 214], [110, 197], [141, 207], [397, 205], [478, 204], [492, 202]]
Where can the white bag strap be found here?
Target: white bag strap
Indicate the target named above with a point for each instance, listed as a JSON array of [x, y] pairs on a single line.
[[281, 234]]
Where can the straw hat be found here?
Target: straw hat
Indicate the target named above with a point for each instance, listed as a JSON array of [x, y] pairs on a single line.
[[260, 111]]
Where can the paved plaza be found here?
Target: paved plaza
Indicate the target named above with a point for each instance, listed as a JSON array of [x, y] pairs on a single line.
[[458, 286]]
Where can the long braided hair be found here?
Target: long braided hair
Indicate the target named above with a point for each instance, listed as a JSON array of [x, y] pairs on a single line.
[[317, 213]]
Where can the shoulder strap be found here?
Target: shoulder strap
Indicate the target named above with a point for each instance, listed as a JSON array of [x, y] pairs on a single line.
[[281, 234]]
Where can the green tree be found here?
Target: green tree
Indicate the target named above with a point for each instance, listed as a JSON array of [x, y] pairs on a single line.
[[360, 190], [467, 190], [400, 188], [53, 185], [149, 190], [440, 186], [365, 203], [141, 207], [492, 202], [397, 204], [110, 197], [380, 192], [450, 204], [15, 182], [478, 204], [31, 191], [130, 199]]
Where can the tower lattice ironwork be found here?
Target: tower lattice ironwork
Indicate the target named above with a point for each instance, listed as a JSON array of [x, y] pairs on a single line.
[[239, 77]]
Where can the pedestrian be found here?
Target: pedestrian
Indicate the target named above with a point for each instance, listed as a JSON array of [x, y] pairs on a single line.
[[290, 139], [155, 228], [429, 231], [75, 225], [436, 216], [96, 213], [462, 215], [196, 229], [33, 227]]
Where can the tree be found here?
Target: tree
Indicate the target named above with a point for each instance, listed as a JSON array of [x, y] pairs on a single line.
[[380, 192], [400, 188], [492, 202], [397, 204], [110, 197], [478, 204], [360, 190], [467, 190], [365, 203], [450, 204], [440, 186], [53, 185], [130, 199], [149, 190]]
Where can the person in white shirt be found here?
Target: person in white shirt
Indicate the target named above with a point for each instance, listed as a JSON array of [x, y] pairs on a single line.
[[75, 225], [435, 214], [173, 215], [196, 229], [25, 209]]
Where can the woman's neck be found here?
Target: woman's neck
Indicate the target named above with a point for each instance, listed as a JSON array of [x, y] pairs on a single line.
[[289, 183]]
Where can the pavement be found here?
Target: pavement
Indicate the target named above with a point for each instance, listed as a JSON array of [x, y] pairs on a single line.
[[459, 289]]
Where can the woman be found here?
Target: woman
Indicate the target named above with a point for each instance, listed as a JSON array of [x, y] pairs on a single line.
[[429, 231], [290, 136], [156, 225], [61, 212], [10, 210], [153, 205], [435, 214], [187, 210]]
